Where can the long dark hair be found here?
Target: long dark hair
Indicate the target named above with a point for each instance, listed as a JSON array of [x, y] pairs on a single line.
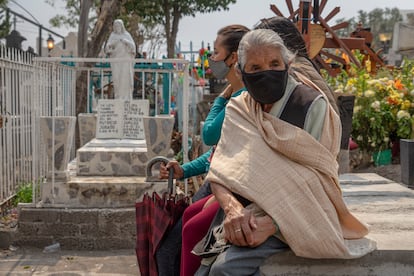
[[232, 35], [287, 30]]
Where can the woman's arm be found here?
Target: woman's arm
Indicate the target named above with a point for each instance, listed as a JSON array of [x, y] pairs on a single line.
[[195, 167], [239, 223], [215, 118], [214, 121]]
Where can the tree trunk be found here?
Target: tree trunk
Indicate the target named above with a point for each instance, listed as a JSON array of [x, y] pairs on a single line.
[[171, 47], [83, 27], [173, 36], [172, 18]]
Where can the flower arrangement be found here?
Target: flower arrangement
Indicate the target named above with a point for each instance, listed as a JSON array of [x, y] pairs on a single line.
[[202, 62], [384, 104]]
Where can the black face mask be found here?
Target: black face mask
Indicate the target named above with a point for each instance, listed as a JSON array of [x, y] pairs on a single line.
[[266, 87]]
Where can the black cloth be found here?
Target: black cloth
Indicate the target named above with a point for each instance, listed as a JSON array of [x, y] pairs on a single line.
[[168, 255]]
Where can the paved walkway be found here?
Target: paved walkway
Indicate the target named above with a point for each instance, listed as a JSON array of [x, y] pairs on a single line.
[[32, 261], [386, 205]]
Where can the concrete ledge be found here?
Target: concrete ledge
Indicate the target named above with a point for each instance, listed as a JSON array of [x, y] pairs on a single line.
[[98, 192], [388, 208], [378, 263]]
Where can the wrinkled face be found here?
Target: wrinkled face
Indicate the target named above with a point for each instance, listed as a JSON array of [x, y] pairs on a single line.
[[263, 58], [220, 52]]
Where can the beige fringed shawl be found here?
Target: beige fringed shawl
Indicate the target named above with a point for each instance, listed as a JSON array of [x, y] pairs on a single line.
[[291, 176]]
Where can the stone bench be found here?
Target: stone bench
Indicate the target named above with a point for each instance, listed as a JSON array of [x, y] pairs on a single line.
[[389, 209]]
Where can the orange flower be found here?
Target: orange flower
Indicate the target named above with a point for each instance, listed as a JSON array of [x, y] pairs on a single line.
[[346, 58], [398, 85], [393, 100]]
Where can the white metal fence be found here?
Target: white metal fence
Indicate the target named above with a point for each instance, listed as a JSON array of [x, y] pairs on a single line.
[[16, 87], [32, 87]]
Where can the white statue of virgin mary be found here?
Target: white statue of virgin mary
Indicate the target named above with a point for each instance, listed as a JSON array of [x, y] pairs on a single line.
[[121, 45]]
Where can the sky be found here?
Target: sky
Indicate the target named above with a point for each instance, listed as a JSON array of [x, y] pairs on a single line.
[[201, 29]]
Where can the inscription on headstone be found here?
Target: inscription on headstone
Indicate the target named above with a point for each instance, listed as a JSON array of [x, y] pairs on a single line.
[[121, 119]]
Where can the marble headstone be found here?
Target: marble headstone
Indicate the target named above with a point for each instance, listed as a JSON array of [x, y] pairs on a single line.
[[121, 119]]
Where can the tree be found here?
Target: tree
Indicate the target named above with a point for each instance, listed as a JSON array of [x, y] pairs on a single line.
[[73, 10], [383, 21], [4, 19], [84, 14], [378, 20], [107, 11], [85, 7], [169, 12]]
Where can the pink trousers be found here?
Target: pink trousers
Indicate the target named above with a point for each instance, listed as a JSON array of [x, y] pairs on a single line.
[[196, 222]]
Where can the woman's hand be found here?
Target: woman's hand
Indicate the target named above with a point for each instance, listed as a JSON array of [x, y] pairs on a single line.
[[265, 229], [164, 170], [239, 225], [227, 92], [253, 233]]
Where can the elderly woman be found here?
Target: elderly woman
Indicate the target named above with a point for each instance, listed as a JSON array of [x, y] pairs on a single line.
[[302, 66], [279, 186], [197, 218]]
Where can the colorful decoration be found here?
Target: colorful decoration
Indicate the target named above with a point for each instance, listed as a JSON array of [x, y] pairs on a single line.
[[203, 70]]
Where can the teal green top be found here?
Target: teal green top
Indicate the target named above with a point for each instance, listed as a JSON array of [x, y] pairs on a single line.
[[211, 135], [197, 166], [214, 121]]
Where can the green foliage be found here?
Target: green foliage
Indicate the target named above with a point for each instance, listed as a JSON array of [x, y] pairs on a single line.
[[169, 12], [4, 19], [160, 10], [373, 125], [404, 126], [24, 193], [71, 17], [384, 104]]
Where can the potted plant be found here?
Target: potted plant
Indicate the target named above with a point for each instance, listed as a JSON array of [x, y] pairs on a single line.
[[383, 108], [372, 125]]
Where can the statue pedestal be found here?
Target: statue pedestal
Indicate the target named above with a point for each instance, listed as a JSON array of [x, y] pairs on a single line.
[[111, 172], [112, 157], [124, 157]]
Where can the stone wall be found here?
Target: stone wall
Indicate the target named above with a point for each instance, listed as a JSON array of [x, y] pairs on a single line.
[[83, 229]]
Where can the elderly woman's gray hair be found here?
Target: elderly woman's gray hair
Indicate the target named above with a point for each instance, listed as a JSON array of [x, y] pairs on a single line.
[[262, 38]]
